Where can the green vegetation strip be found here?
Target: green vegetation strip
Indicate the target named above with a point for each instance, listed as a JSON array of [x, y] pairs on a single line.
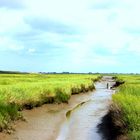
[[127, 100], [19, 91]]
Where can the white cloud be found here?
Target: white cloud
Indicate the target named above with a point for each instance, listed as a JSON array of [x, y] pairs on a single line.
[[16, 48], [31, 50], [134, 46], [11, 21], [9, 44], [100, 23]]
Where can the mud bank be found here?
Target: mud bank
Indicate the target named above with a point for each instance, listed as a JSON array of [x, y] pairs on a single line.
[[43, 123], [111, 126]]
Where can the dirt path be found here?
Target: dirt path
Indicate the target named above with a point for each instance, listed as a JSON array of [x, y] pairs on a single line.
[[77, 120]]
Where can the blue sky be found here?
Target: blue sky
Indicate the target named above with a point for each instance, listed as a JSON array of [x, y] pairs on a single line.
[[74, 35]]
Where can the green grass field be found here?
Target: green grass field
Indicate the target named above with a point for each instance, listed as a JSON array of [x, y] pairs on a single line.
[[128, 101], [19, 91]]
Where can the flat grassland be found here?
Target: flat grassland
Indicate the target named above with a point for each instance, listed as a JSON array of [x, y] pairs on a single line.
[[127, 100], [20, 91]]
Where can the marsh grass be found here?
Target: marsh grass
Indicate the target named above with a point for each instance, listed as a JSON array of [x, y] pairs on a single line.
[[8, 113], [26, 91], [128, 100]]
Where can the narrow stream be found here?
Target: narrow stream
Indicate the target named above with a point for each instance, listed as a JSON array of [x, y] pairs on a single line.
[[76, 120]]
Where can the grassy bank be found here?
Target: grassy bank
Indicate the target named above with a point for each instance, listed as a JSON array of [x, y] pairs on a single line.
[[19, 91], [126, 107]]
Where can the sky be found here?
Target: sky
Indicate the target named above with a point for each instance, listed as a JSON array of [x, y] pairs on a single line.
[[70, 35]]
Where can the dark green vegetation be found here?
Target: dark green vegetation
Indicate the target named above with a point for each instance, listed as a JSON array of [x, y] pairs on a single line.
[[19, 91], [126, 106]]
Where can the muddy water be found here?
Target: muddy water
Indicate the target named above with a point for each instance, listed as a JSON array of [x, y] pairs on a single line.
[[76, 120]]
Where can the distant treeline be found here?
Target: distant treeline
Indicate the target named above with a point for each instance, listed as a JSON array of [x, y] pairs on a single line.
[[89, 73], [12, 72], [67, 73], [18, 72]]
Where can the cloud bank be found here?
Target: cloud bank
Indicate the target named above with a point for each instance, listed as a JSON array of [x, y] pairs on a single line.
[[76, 36]]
